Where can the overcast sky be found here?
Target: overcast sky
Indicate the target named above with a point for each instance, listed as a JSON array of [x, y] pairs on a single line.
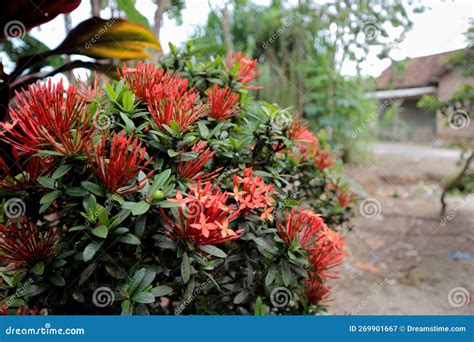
[[438, 29]]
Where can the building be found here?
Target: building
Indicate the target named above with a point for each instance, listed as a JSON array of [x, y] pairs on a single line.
[[408, 81]]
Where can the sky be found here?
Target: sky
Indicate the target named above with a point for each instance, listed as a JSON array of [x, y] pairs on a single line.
[[440, 28]]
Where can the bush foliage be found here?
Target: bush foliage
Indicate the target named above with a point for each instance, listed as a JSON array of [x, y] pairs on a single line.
[[169, 191]]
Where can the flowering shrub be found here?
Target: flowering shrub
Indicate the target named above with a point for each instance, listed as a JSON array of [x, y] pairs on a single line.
[[169, 191]]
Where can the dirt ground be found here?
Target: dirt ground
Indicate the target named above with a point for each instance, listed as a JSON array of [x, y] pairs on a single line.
[[407, 260]]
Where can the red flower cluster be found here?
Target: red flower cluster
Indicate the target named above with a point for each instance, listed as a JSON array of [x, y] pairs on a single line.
[[31, 168], [252, 193], [308, 145], [192, 169], [204, 216], [247, 66], [171, 99], [222, 103], [48, 116], [19, 312], [323, 245], [124, 160], [23, 244], [142, 79], [324, 159]]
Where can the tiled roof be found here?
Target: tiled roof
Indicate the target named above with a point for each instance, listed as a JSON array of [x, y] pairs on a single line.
[[418, 72]]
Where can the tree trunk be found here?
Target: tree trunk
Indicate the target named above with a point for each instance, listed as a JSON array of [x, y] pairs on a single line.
[[226, 28], [67, 27], [96, 6]]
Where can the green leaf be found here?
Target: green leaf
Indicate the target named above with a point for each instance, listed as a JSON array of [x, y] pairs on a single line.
[[241, 297], [185, 268], [172, 153], [129, 239], [126, 307], [140, 208], [137, 279], [57, 280], [116, 271], [161, 290], [203, 129], [100, 231], [90, 250], [47, 182], [213, 250], [61, 171], [93, 188], [132, 14], [271, 274], [50, 197], [113, 38], [87, 273], [144, 298], [38, 268], [286, 272]]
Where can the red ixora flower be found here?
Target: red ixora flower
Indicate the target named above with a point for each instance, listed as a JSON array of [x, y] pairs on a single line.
[[123, 161], [323, 245], [47, 116], [251, 193], [192, 169], [20, 311], [307, 144], [171, 100], [23, 171], [204, 216], [324, 159], [143, 78], [222, 103], [23, 244], [247, 66]]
